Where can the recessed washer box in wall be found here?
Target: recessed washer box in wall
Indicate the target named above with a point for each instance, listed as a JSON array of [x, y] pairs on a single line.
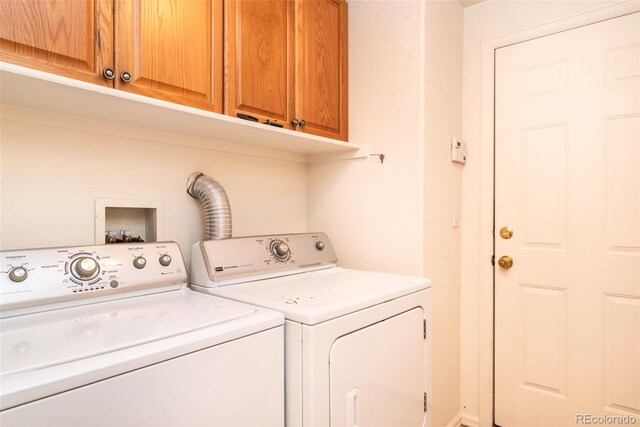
[[144, 217]]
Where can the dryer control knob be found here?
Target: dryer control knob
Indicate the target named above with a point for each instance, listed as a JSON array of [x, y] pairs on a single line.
[[280, 250], [319, 246], [18, 274], [139, 262], [165, 260]]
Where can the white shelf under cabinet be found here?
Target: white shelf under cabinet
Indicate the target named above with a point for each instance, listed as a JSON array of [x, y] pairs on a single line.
[[28, 88]]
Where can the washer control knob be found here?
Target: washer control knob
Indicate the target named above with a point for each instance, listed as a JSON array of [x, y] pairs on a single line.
[[165, 260], [18, 274], [319, 246], [86, 268], [139, 262]]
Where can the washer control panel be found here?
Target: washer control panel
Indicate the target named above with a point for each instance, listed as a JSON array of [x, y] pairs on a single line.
[[250, 256], [37, 277]]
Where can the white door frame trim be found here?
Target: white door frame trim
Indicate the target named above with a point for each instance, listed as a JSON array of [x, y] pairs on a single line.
[[486, 302]]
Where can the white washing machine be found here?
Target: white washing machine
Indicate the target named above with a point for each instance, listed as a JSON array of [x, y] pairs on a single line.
[[357, 342], [110, 335]]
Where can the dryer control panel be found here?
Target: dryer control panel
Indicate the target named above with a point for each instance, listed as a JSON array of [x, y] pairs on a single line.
[[247, 257], [41, 277]]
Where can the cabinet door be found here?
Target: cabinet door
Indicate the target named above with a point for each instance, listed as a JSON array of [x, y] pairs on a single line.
[[73, 38], [321, 67], [259, 59], [172, 49]]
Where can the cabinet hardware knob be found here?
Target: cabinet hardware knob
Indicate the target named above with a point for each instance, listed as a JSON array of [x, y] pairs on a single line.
[[125, 76], [108, 73], [303, 123], [295, 122]]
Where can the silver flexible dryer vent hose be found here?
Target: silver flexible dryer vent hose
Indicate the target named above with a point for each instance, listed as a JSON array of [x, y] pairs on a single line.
[[215, 203]]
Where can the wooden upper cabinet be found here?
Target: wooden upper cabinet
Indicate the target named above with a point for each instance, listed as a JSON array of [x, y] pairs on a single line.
[[73, 38], [259, 59], [172, 49], [287, 59], [278, 60], [321, 67]]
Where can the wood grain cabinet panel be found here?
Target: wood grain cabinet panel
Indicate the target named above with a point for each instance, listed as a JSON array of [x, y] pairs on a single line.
[[73, 38], [259, 62], [281, 59], [321, 67], [172, 49]]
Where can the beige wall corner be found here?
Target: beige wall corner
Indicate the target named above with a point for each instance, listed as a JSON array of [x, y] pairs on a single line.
[[442, 193], [405, 73], [372, 211]]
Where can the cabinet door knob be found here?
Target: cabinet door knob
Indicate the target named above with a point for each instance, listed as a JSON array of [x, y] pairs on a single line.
[[303, 123], [108, 73], [125, 76], [295, 122]]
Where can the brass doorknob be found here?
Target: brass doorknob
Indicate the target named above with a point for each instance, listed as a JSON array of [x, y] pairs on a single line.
[[506, 232], [505, 262]]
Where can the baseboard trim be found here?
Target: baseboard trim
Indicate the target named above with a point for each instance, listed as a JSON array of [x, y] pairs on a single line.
[[470, 421], [456, 421]]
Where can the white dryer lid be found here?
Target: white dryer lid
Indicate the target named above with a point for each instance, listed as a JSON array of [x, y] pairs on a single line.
[[318, 296], [36, 341]]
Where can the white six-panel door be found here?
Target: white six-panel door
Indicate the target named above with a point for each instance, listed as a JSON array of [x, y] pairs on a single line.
[[567, 182]]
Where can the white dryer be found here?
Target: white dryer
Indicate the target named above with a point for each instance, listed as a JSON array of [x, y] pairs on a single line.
[[357, 342], [110, 335]]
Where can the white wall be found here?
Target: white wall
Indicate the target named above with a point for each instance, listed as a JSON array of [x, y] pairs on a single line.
[[52, 168], [405, 73], [372, 211], [483, 21], [443, 191]]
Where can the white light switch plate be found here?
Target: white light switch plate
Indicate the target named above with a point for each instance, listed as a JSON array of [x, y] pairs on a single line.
[[456, 216], [458, 150]]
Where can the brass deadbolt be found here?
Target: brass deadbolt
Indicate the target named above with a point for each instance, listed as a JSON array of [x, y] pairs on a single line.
[[505, 262], [506, 232]]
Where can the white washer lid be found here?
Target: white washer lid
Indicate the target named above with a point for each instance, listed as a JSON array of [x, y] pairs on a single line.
[[318, 296], [36, 341]]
